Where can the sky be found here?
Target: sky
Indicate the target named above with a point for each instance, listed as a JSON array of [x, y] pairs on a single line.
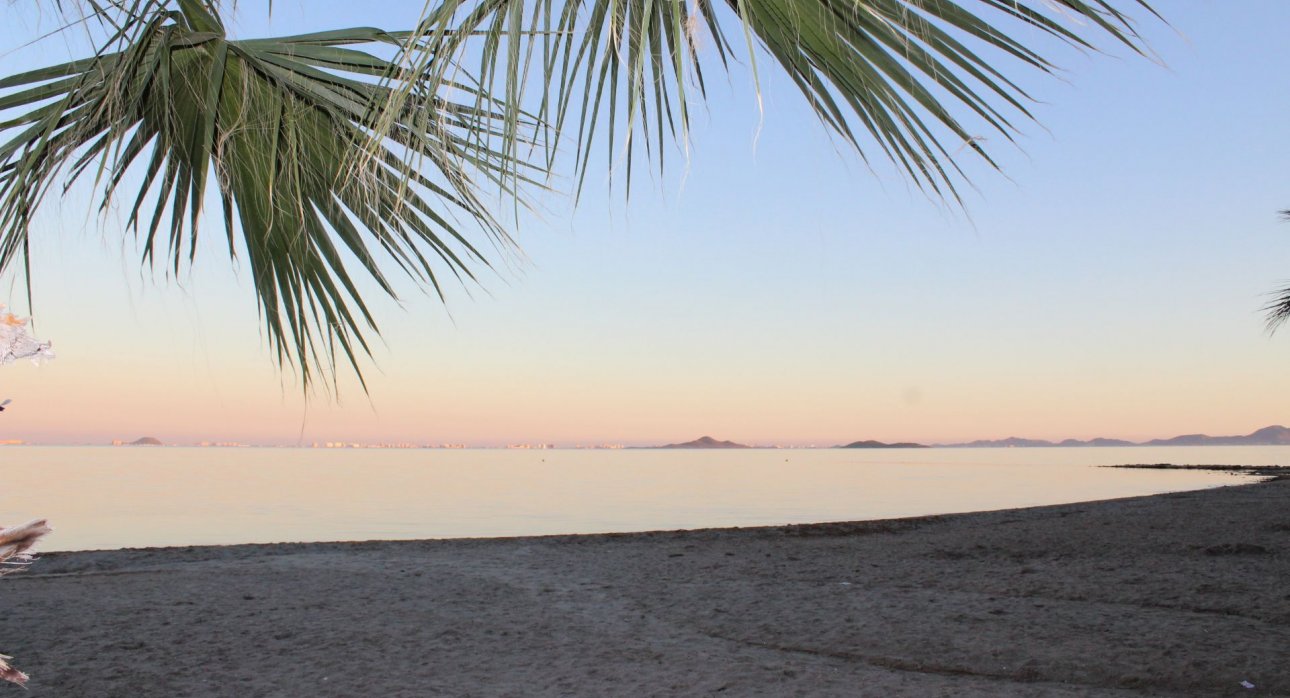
[[770, 289]]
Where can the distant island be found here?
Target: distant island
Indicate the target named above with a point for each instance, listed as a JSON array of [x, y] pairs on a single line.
[[1267, 436], [879, 444], [705, 442], [144, 441]]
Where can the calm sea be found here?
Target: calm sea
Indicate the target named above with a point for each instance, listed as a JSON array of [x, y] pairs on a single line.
[[104, 498]]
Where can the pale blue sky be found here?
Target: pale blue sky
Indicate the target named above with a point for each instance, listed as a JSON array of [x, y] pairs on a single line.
[[771, 289]]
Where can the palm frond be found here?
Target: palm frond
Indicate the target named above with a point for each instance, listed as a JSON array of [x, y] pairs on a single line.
[[477, 92], [273, 124], [1277, 311], [891, 76]]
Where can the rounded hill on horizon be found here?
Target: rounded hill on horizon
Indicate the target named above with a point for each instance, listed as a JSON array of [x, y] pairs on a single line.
[[706, 442], [879, 444]]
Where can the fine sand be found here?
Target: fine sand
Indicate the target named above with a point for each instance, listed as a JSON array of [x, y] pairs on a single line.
[[1181, 594]]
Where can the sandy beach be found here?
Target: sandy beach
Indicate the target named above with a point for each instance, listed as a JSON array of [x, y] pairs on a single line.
[[1179, 594]]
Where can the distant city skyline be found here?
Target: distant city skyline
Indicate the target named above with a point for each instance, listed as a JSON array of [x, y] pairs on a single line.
[[768, 288]]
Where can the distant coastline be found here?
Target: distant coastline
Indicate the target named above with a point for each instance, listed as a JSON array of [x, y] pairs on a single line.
[[1274, 435]]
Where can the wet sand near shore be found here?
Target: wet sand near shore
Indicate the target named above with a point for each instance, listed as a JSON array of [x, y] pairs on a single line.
[[1183, 594]]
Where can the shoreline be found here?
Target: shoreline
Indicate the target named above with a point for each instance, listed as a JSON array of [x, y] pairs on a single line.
[[1174, 594], [1274, 472]]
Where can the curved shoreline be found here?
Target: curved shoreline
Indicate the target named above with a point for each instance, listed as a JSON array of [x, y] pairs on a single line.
[[1174, 594], [1265, 471], [856, 526]]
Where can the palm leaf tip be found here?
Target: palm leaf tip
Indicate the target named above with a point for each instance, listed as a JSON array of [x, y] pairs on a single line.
[[274, 124], [1277, 311]]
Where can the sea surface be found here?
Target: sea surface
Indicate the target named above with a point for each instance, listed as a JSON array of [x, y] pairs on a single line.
[[107, 498]]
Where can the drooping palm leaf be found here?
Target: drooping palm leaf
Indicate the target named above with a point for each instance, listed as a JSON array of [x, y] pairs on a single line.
[[273, 124], [1278, 309], [897, 76]]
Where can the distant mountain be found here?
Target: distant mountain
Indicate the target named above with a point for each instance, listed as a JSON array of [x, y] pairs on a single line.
[[1267, 436], [706, 442], [1010, 442], [879, 444], [145, 441], [1097, 442]]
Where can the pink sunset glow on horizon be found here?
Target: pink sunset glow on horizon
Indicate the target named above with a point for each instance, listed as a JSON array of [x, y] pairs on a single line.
[[768, 290]]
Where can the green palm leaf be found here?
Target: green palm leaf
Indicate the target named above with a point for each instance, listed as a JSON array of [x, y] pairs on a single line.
[[273, 124], [886, 75], [331, 162]]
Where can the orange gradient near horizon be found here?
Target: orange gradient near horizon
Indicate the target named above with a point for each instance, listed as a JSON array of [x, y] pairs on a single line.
[[479, 390], [768, 290]]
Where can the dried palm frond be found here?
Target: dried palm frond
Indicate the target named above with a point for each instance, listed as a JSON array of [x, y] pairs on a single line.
[[16, 542], [10, 674], [15, 547]]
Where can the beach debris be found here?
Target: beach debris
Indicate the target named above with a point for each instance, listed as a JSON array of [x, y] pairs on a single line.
[[10, 674], [15, 554], [16, 344], [1246, 684], [16, 542]]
